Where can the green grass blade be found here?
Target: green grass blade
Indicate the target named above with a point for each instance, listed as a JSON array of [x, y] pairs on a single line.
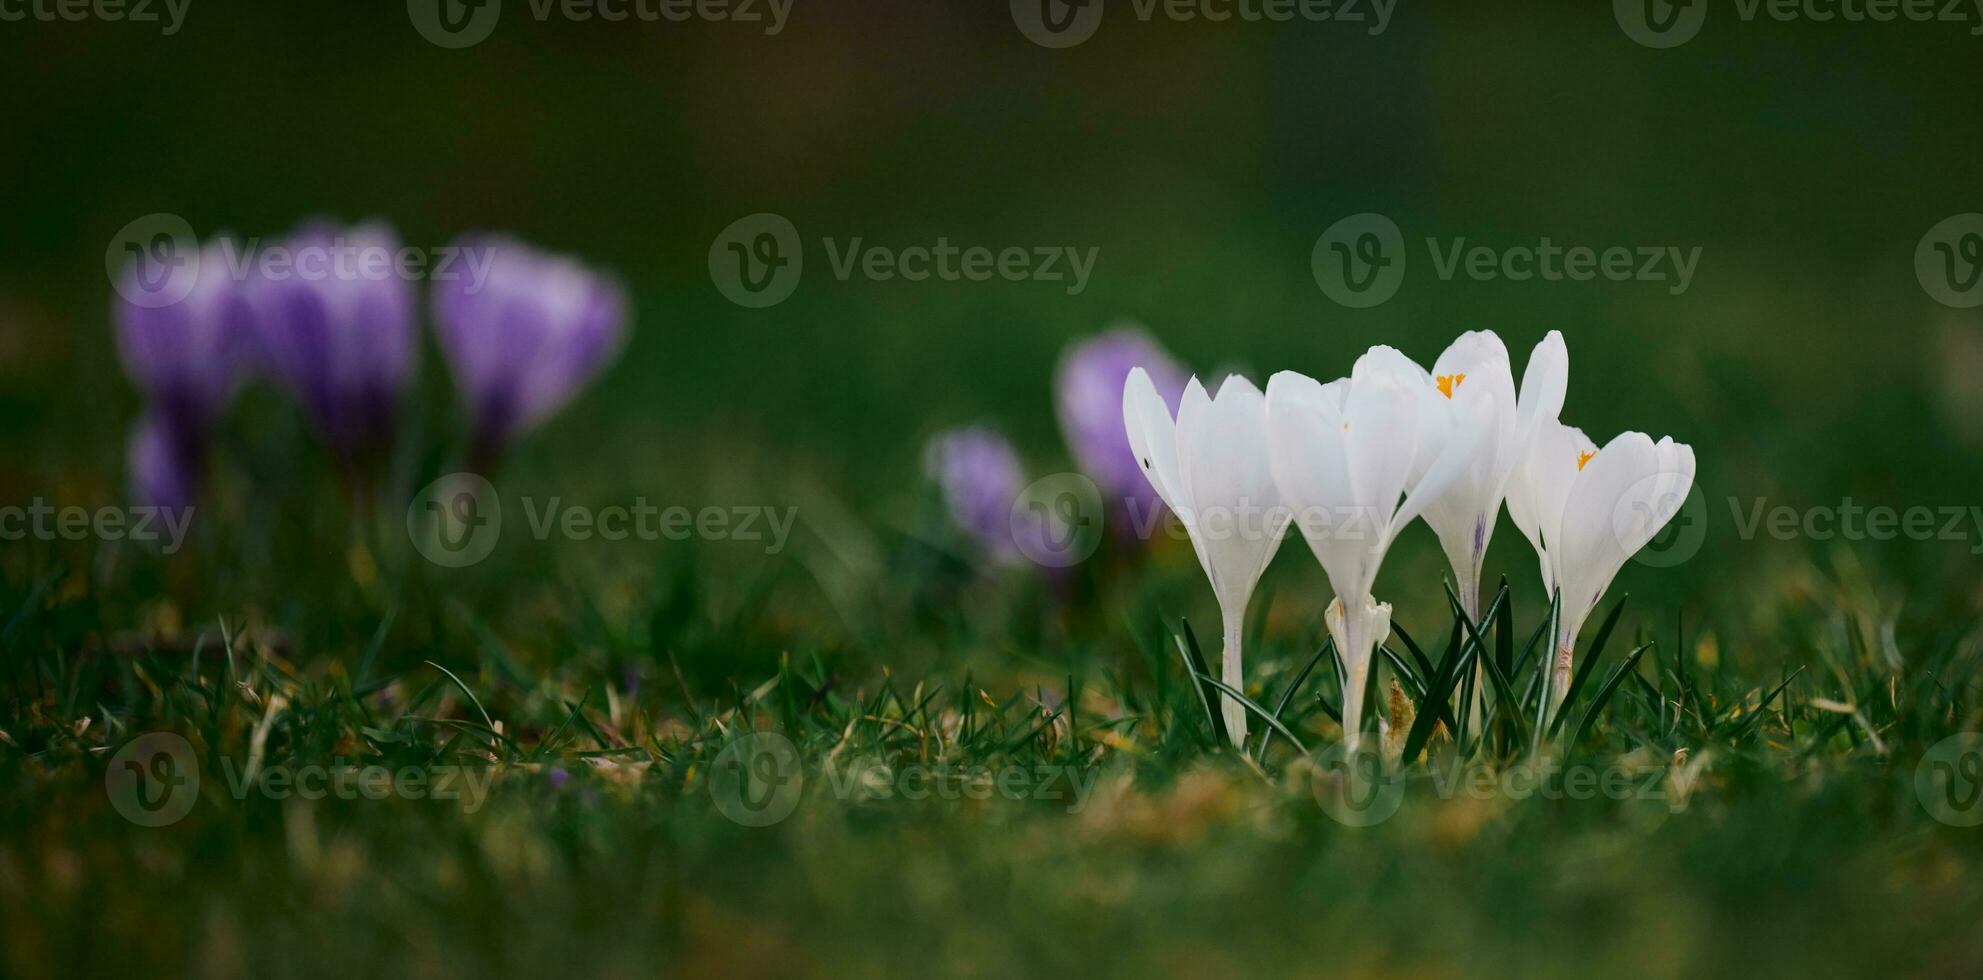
[[1328, 646], [1604, 692], [1194, 661]]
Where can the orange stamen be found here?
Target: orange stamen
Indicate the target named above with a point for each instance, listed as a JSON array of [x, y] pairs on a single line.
[[1582, 458], [1447, 382]]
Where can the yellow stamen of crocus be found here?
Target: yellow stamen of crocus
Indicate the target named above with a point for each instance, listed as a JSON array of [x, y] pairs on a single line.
[[1448, 382], [1582, 458]]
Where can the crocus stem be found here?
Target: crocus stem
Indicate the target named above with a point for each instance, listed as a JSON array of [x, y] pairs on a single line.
[[1231, 674], [1357, 629], [1353, 693], [1559, 675], [1469, 591]]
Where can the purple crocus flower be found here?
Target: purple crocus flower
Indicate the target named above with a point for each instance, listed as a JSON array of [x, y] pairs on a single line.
[[164, 466], [181, 339], [1088, 396], [523, 335], [334, 324], [184, 354], [980, 477]]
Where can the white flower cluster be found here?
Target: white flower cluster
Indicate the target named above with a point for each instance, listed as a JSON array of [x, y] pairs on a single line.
[[1352, 462]]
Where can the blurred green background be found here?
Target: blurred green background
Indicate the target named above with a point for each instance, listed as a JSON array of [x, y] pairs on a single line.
[[1805, 363], [1806, 160]]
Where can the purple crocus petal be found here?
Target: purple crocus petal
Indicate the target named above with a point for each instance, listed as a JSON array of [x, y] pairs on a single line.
[[164, 466], [185, 356], [523, 331], [1088, 397], [979, 474], [334, 324]]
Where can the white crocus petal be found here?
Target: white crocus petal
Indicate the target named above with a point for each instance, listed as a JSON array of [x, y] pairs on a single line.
[[1357, 460], [1544, 383], [1152, 435], [1210, 467], [1474, 379], [1541, 484], [1391, 366], [1622, 497], [1305, 451]]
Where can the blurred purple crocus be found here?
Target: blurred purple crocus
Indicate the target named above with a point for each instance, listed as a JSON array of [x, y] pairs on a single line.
[[164, 467], [523, 337], [334, 324], [980, 477], [180, 335], [1088, 397]]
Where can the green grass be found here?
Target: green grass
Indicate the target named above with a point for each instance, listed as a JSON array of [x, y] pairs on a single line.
[[1771, 821]]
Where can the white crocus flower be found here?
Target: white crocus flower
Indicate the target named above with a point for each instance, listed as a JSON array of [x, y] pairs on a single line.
[[1210, 468], [1587, 510], [1357, 459], [1474, 376]]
